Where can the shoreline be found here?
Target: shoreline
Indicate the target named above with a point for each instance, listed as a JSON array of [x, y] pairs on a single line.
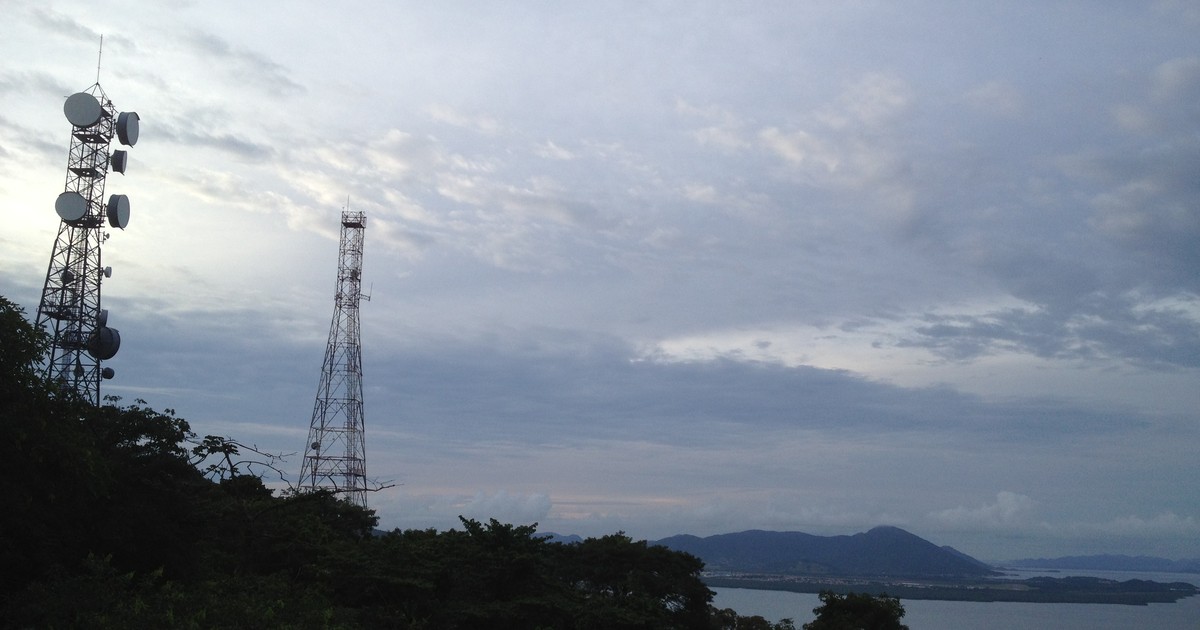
[[1047, 590]]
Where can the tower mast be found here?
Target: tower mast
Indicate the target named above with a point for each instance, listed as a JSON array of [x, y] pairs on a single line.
[[335, 456], [69, 310]]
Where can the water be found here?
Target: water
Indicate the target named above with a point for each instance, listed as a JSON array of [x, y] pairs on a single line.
[[938, 615]]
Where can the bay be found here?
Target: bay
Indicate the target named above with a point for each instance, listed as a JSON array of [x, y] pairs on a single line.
[[939, 615]]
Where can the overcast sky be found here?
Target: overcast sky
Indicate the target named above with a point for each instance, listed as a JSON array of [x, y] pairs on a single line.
[[658, 267]]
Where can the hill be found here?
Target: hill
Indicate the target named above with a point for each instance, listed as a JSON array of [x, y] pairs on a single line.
[[880, 552]]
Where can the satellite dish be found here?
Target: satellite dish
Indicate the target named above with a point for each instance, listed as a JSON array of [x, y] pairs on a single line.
[[104, 343], [107, 373], [119, 160], [102, 318], [82, 109], [71, 206], [67, 276], [118, 211], [127, 128], [107, 273]]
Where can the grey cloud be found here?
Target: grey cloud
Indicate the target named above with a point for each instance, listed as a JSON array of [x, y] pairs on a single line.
[[1123, 329], [604, 395], [228, 143], [34, 82], [65, 25], [254, 69], [1153, 209], [197, 127], [19, 140]]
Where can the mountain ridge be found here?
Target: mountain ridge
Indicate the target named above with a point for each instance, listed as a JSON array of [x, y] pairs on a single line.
[[880, 551]]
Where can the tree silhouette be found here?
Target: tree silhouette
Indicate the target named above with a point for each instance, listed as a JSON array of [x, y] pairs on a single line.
[[857, 611]]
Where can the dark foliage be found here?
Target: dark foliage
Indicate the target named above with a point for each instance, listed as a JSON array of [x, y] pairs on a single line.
[[119, 517], [857, 611]]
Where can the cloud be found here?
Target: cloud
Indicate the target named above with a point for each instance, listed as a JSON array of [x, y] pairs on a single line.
[[552, 151], [1124, 329], [872, 101], [998, 98], [1106, 269], [65, 26], [226, 143], [725, 131], [1009, 510], [1163, 524], [253, 70], [801, 149], [1177, 81], [33, 82], [854, 148], [481, 123], [1153, 209], [509, 508]]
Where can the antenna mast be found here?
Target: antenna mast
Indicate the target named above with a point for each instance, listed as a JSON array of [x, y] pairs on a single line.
[[70, 306], [335, 456]]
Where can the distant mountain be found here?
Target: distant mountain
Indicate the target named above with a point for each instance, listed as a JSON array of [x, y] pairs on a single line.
[[1108, 562], [559, 538], [882, 551], [980, 564]]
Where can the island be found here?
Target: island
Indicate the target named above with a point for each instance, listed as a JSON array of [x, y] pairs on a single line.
[[893, 561]]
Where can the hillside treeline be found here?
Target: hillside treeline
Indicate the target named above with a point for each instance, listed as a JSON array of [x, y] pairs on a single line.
[[118, 516]]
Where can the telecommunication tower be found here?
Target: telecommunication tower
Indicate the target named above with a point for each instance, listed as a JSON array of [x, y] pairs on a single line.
[[70, 307], [335, 456]]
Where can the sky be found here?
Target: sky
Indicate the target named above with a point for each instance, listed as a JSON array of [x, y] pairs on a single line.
[[662, 267]]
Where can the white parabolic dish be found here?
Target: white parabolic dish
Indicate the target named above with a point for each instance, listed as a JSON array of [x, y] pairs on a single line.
[[127, 128], [118, 211], [70, 206], [82, 109], [119, 160], [104, 343]]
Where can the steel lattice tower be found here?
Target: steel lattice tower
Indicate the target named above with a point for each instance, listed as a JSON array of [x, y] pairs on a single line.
[[70, 306], [335, 456]]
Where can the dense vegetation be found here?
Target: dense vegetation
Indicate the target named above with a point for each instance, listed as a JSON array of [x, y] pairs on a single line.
[[118, 516], [857, 611]]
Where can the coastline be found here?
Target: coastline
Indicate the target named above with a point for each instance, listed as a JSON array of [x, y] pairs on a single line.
[[1049, 590]]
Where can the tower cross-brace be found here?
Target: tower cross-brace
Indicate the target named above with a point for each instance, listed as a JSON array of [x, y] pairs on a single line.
[[335, 454]]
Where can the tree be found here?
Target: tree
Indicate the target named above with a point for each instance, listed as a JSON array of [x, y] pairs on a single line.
[[857, 611], [631, 584], [21, 348], [728, 619]]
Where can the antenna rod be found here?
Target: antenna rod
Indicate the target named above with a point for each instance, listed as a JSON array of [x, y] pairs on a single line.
[[98, 56]]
